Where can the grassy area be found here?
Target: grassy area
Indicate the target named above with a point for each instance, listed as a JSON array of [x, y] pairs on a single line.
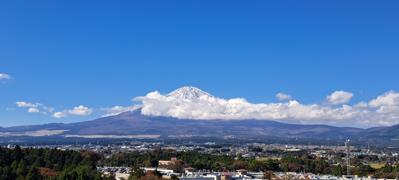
[[377, 165]]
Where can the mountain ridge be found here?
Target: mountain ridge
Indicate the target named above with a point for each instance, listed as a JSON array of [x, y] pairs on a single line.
[[135, 123]]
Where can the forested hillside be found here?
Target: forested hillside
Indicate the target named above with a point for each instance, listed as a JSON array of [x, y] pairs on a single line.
[[34, 164]]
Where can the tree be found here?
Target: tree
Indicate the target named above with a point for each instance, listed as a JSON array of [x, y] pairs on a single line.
[[255, 165], [174, 177], [239, 164], [336, 170], [5, 173], [177, 166], [17, 153], [272, 165], [21, 169], [33, 174], [363, 170]]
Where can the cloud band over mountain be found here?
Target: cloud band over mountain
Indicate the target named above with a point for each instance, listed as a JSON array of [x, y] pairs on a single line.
[[192, 103]]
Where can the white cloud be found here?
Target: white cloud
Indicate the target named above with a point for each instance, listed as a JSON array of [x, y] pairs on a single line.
[[59, 115], [33, 110], [283, 96], [339, 97], [388, 99], [40, 108], [192, 103], [76, 111], [4, 76], [34, 107], [26, 104], [207, 107], [80, 111]]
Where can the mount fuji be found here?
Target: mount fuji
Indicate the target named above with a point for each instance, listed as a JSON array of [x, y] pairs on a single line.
[[137, 124]]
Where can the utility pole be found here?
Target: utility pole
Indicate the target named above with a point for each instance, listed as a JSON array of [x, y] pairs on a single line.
[[348, 160]]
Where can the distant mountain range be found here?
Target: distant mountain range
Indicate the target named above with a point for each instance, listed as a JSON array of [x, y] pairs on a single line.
[[135, 125]]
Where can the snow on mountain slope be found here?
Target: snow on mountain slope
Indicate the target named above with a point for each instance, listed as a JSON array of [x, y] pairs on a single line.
[[188, 92]]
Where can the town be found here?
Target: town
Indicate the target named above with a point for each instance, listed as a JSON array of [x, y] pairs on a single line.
[[212, 161]]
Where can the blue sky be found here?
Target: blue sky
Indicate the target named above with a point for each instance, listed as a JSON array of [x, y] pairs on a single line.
[[99, 54]]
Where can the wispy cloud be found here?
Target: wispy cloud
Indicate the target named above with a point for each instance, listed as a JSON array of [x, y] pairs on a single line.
[[4, 76], [119, 109], [40, 108], [76, 111], [80, 111], [34, 107], [26, 104], [59, 115], [283, 97]]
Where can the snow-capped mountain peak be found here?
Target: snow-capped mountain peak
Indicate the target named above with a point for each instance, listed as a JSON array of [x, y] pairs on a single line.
[[188, 92]]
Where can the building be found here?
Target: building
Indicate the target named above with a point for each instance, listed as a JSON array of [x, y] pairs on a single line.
[[163, 163]]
